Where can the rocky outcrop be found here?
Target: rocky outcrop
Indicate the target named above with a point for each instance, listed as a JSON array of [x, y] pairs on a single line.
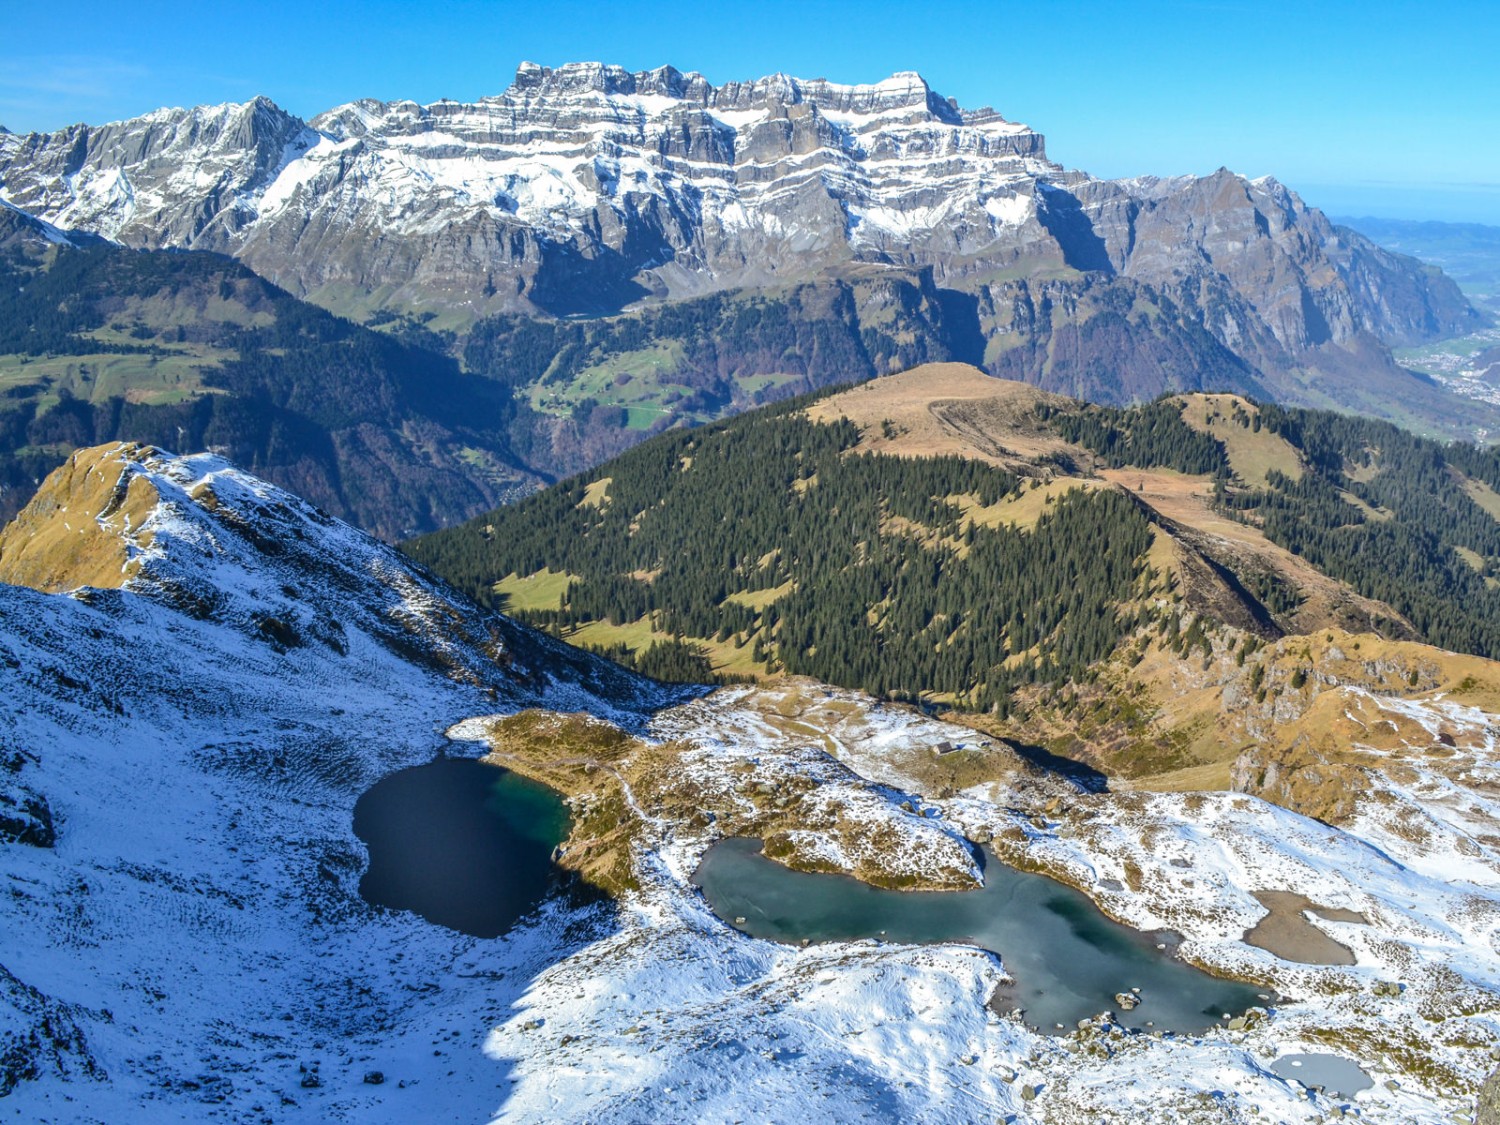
[[40, 1036], [1487, 1104]]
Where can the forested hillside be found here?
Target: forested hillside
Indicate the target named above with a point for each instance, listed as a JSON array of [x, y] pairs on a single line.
[[769, 532], [773, 542], [1404, 520], [193, 351]]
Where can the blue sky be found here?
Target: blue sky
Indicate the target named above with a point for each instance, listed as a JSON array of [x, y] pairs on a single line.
[[1385, 107]]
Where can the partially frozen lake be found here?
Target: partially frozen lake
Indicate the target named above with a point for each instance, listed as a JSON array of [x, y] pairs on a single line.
[[1334, 1073], [1068, 960]]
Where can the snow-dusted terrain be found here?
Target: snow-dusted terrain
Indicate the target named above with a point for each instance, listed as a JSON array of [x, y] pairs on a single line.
[[587, 188], [558, 154], [191, 946], [194, 937]]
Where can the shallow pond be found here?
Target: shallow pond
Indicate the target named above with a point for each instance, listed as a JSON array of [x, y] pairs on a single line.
[[1068, 960], [460, 843], [1334, 1073]]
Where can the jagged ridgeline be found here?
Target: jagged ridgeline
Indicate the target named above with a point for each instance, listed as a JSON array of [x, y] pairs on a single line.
[[773, 543], [586, 190], [776, 542]]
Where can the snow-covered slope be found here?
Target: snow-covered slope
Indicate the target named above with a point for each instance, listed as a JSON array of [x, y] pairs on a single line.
[[185, 175], [189, 748], [672, 1017], [181, 936], [586, 187]]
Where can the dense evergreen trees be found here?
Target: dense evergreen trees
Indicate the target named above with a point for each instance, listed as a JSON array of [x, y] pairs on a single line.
[[773, 532], [874, 577], [1375, 506], [1387, 512], [1139, 436]]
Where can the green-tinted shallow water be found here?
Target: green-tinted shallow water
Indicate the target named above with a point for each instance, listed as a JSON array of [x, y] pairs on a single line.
[[460, 843], [1067, 958]]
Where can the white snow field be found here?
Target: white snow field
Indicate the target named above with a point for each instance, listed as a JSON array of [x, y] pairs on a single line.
[[192, 947]]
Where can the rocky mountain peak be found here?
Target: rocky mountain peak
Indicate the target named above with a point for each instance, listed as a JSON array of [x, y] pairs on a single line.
[[228, 126], [173, 177], [902, 90], [586, 188], [533, 80]]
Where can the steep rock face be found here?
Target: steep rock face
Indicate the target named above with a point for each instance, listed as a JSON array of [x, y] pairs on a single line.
[[1110, 339], [1487, 1105], [171, 178], [585, 188], [1310, 281]]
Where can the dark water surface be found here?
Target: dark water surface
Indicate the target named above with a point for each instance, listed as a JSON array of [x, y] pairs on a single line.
[[462, 844], [1067, 958]]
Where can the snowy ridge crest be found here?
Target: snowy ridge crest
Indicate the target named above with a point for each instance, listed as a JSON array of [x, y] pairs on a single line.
[[220, 544]]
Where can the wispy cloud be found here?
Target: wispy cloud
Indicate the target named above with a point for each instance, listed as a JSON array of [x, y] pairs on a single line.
[[76, 76], [45, 91]]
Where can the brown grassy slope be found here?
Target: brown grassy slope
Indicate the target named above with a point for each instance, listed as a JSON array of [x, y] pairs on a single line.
[[947, 408], [1182, 506], [1316, 723], [953, 409], [1252, 453], [77, 530], [1221, 717]]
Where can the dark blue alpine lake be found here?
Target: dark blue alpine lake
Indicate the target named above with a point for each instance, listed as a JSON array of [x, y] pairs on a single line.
[[460, 843]]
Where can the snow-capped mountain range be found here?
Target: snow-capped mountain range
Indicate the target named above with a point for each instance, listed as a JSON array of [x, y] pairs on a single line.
[[584, 188]]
